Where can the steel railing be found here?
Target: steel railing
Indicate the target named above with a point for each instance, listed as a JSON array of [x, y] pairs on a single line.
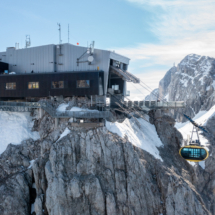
[[49, 108]]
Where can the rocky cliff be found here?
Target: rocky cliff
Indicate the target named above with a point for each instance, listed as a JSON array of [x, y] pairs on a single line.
[[192, 81], [73, 171], [153, 96]]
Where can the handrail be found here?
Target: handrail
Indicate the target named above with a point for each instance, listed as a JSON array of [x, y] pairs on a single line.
[[51, 110], [45, 105]]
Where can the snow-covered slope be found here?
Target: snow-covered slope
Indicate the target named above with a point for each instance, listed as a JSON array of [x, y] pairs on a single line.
[[144, 137], [15, 127], [202, 118]]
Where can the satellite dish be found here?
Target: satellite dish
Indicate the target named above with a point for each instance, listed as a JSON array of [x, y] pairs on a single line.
[[90, 58]]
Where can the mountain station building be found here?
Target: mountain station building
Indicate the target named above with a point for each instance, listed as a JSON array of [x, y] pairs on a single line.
[[63, 70]]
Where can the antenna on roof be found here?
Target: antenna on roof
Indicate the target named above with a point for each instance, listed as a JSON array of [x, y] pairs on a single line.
[[17, 45], [92, 47], [27, 41], [68, 33], [60, 41]]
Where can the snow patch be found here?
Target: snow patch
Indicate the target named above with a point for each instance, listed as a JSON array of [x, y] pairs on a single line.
[[202, 164], [167, 97], [31, 163], [62, 108], [184, 82], [144, 137], [213, 85], [66, 131], [14, 128], [201, 118], [32, 208]]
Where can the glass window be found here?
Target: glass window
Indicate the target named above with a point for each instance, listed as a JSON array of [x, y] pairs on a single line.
[[193, 153], [115, 87], [33, 85], [83, 83], [57, 84], [11, 86]]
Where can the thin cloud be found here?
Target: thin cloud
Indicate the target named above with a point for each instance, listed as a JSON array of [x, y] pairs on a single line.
[[182, 27], [165, 3], [165, 54], [179, 19]]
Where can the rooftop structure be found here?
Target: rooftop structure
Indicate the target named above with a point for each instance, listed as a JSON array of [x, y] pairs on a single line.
[[64, 69]]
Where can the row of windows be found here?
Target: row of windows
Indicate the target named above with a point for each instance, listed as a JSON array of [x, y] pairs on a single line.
[[54, 85]]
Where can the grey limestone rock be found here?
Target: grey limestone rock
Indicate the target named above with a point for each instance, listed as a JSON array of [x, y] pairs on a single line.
[[192, 81], [153, 96], [97, 172]]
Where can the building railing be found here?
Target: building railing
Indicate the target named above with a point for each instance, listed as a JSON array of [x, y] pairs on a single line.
[[155, 104], [20, 104], [49, 108], [83, 114]]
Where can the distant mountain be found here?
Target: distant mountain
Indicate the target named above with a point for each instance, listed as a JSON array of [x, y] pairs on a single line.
[[192, 81], [153, 95]]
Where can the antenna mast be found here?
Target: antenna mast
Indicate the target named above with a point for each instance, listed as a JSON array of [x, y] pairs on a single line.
[[68, 33], [59, 33], [27, 41]]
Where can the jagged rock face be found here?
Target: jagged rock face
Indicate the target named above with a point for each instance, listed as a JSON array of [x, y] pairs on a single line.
[[193, 81], [97, 172], [153, 96], [165, 82]]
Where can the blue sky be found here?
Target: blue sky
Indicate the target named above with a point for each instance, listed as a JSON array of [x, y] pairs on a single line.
[[152, 33]]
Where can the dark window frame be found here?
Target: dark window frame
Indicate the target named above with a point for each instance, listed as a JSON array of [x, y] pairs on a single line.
[[82, 87], [10, 83], [58, 87], [35, 85]]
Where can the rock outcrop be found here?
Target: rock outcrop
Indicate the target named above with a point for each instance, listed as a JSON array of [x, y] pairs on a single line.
[[153, 96], [97, 172], [192, 81]]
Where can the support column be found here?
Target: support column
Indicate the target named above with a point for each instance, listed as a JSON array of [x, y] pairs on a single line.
[[158, 114], [41, 113], [56, 123]]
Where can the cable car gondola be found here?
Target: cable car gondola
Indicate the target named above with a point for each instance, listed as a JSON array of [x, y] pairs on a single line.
[[194, 151]]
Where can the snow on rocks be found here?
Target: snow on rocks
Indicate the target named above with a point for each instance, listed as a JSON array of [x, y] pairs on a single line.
[[201, 118], [31, 163], [66, 131], [144, 137], [186, 128], [62, 108], [14, 128], [193, 81]]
